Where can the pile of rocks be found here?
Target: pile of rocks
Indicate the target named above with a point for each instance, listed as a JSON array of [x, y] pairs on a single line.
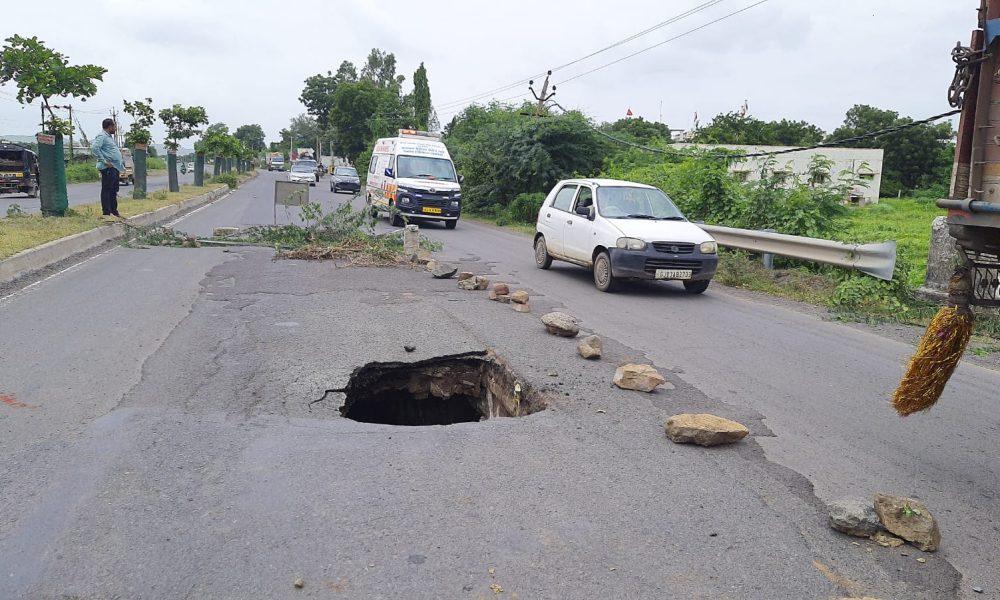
[[888, 521]]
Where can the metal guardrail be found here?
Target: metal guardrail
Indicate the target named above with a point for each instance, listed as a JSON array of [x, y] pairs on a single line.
[[877, 260]]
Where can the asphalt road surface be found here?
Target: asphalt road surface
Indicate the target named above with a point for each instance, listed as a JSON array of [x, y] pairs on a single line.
[[86, 193], [160, 441]]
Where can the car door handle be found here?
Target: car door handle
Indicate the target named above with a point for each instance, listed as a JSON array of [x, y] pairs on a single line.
[[570, 222]]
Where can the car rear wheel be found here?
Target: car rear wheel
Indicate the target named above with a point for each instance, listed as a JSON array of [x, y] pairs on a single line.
[[696, 287], [542, 258], [604, 279]]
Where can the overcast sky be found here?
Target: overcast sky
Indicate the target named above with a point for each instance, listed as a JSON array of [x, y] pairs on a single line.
[[245, 60]]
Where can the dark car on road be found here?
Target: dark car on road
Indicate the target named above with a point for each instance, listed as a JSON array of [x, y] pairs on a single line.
[[18, 170], [345, 179]]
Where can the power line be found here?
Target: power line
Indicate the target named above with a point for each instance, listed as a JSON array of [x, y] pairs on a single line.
[[666, 41], [660, 25]]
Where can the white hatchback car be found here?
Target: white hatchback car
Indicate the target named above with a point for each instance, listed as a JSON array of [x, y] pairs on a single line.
[[623, 230]]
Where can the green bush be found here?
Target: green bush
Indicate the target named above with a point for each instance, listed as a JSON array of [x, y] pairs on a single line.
[[227, 178], [155, 163], [524, 208], [80, 172]]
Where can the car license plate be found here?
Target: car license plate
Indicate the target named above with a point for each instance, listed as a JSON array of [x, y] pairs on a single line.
[[673, 273], [432, 210]]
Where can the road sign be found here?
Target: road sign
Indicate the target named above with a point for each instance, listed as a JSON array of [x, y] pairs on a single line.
[[288, 193], [45, 138]]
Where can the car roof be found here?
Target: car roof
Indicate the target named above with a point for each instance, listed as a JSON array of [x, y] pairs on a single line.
[[607, 182]]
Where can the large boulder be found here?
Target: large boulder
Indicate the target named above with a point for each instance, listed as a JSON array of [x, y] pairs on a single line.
[[704, 430], [443, 271], [590, 347], [854, 516], [561, 324], [642, 378], [909, 519]]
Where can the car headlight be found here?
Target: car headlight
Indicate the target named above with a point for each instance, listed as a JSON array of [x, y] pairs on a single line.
[[627, 243], [454, 203], [709, 247]]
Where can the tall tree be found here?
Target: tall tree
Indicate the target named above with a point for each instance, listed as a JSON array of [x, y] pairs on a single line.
[[40, 72], [252, 137], [361, 112], [914, 158], [317, 96], [421, 98], [346, 73], [639, 130], [380, 69]]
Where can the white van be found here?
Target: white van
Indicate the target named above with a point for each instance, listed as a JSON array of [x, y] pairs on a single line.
[[413, 173], [623, 230]]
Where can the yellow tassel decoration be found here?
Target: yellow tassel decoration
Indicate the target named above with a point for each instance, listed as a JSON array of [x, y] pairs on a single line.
[[938, 354]]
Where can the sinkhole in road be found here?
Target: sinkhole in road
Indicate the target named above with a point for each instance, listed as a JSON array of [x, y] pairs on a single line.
[[461, 388]]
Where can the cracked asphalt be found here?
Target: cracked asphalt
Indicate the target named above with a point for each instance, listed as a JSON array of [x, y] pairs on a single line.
[[162, 439]]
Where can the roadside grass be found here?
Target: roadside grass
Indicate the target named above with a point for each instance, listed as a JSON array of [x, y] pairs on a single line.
[[906, 220], [82, 172], [30, 230], [525, 228]]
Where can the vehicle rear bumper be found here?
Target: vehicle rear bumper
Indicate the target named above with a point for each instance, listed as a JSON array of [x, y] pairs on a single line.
[[629, 264]]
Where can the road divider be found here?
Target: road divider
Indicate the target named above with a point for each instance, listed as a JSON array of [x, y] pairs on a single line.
[[34, 259], [877, 260]]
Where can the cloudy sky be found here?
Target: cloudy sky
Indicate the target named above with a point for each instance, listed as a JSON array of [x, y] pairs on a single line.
[[245, 60]]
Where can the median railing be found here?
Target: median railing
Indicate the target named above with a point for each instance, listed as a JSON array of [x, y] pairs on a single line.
[[877, 260]]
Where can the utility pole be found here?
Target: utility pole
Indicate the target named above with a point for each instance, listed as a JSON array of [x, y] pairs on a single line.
[[545, 96]]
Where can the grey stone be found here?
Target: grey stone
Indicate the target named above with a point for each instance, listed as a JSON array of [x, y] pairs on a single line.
[[561, 324], [909, 519], [942, 258], [854, 516], [590, 347], [444, 271]]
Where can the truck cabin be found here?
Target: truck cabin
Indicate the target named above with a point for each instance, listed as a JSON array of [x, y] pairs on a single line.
[[18, 169]]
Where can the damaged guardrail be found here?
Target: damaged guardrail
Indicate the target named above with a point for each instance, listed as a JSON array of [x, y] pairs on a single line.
[[877, 260]]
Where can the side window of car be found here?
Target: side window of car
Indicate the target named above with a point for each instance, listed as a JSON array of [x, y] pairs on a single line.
[[585, 198], [564, 198], [372, 163]]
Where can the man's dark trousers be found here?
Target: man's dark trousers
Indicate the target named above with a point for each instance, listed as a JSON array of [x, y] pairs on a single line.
[[109, 191]]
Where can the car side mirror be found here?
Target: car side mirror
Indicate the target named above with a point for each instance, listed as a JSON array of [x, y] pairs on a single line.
[[388, 172], [586, 211], [461, 179]]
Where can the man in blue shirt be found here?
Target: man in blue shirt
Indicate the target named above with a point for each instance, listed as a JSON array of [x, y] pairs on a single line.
[[110, 164]]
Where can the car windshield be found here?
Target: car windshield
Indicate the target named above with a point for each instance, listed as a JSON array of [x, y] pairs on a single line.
[[623, 202], [304, 166], [346, 171], [422, 167]]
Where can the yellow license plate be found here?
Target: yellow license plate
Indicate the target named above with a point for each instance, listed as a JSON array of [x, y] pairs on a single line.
[[432, 210]]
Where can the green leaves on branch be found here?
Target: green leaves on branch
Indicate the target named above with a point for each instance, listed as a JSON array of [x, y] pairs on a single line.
[[143, 117], [40, 72], [182, 122]]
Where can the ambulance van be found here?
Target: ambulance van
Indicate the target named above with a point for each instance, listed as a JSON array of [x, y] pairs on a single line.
[[411, 179]]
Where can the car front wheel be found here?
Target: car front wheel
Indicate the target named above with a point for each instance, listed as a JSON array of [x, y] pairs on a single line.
[[604, 279], [542, 258], [451, 224], [696, 287]]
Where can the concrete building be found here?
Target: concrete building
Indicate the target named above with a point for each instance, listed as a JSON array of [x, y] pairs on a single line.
[[864, 163]]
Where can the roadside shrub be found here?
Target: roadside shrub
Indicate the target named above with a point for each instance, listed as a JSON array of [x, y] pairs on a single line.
[[226, 178], [524, 208], [858, 292], [158, 195], [81, 172], [155, 163]]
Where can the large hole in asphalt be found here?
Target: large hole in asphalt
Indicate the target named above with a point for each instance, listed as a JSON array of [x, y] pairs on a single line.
[[463, 388]]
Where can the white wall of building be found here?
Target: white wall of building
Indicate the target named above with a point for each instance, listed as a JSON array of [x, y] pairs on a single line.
[[864, 163]]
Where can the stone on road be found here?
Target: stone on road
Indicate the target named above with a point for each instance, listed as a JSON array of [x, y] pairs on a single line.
[[641, 378], [908, 519], [442, 271], [590, 347], [704, 430], [854, 516], [561, 324]]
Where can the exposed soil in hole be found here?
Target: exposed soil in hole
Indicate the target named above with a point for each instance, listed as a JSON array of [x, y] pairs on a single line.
[[461, 388]]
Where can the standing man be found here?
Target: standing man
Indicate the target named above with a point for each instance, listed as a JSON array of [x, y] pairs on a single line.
[[110, 164]]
